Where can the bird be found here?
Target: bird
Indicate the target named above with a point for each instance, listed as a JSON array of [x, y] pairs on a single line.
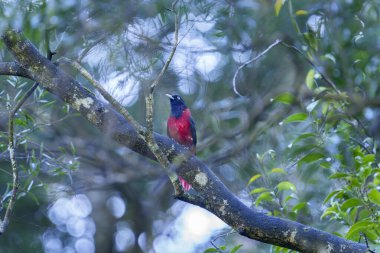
[[181, 128]]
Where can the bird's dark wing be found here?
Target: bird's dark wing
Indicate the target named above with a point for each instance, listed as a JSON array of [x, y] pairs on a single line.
[[193, 131]]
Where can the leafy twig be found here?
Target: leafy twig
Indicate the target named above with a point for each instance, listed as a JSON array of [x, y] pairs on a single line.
[[11, 143], [11, 147], [250, 61]]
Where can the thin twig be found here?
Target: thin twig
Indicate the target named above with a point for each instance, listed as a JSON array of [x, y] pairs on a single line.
[[11, 148], [49, 53], [250, 61], [219, 236], [149, 103], [166, 65], [324, 77], [366, 241], [89, 47]]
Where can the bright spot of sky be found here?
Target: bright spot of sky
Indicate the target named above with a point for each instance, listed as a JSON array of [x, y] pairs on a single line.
[[316, 24], [146, 27], [202, 23], [207, 62], [369, 114], [241, 56], [194, 226], [117, 206], [194, 53], [71, 216], [124, 237], [123, 88], [84, 245], [310, 107]]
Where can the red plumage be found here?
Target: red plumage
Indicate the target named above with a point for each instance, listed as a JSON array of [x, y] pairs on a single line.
[[181, 128]]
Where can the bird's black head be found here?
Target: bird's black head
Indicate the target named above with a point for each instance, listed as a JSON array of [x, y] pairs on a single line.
[[177, 105]]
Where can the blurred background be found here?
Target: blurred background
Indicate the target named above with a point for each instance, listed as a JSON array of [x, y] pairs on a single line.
[[279, 147]]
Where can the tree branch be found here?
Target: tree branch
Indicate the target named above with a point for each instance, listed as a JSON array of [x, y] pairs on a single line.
[[12, 69], [217, 198]]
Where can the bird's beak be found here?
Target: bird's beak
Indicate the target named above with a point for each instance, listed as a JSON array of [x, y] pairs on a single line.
[[170, 96]]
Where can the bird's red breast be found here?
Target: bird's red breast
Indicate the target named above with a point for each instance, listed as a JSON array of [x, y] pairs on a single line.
[[180, 129]]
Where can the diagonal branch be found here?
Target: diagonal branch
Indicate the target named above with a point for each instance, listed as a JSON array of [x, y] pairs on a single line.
[[12, 69], [217, 198]]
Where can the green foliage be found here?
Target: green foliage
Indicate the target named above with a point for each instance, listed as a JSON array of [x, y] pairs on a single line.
[[224, 249], [331, 146], [356, 203], [297, 117]]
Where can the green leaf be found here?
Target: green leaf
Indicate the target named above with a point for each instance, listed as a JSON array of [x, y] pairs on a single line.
[[372, 235], [278, 5], [368, 159], [286, 98], [376, 179], [259, 190], [329, 211], [265, 196], [34, 198], [254, 178], [298, 207], [331, 194], [310, 79], [234, 249], [361, 226], [351, 203], [286, 185], [288, 198], [309, 158], [326, 165], [209, 250], [329, 57], [301, 12], [339, 175], [297, 117], [277, 170], [303, 136], [374, 196], [219, 34], [311, 38]]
